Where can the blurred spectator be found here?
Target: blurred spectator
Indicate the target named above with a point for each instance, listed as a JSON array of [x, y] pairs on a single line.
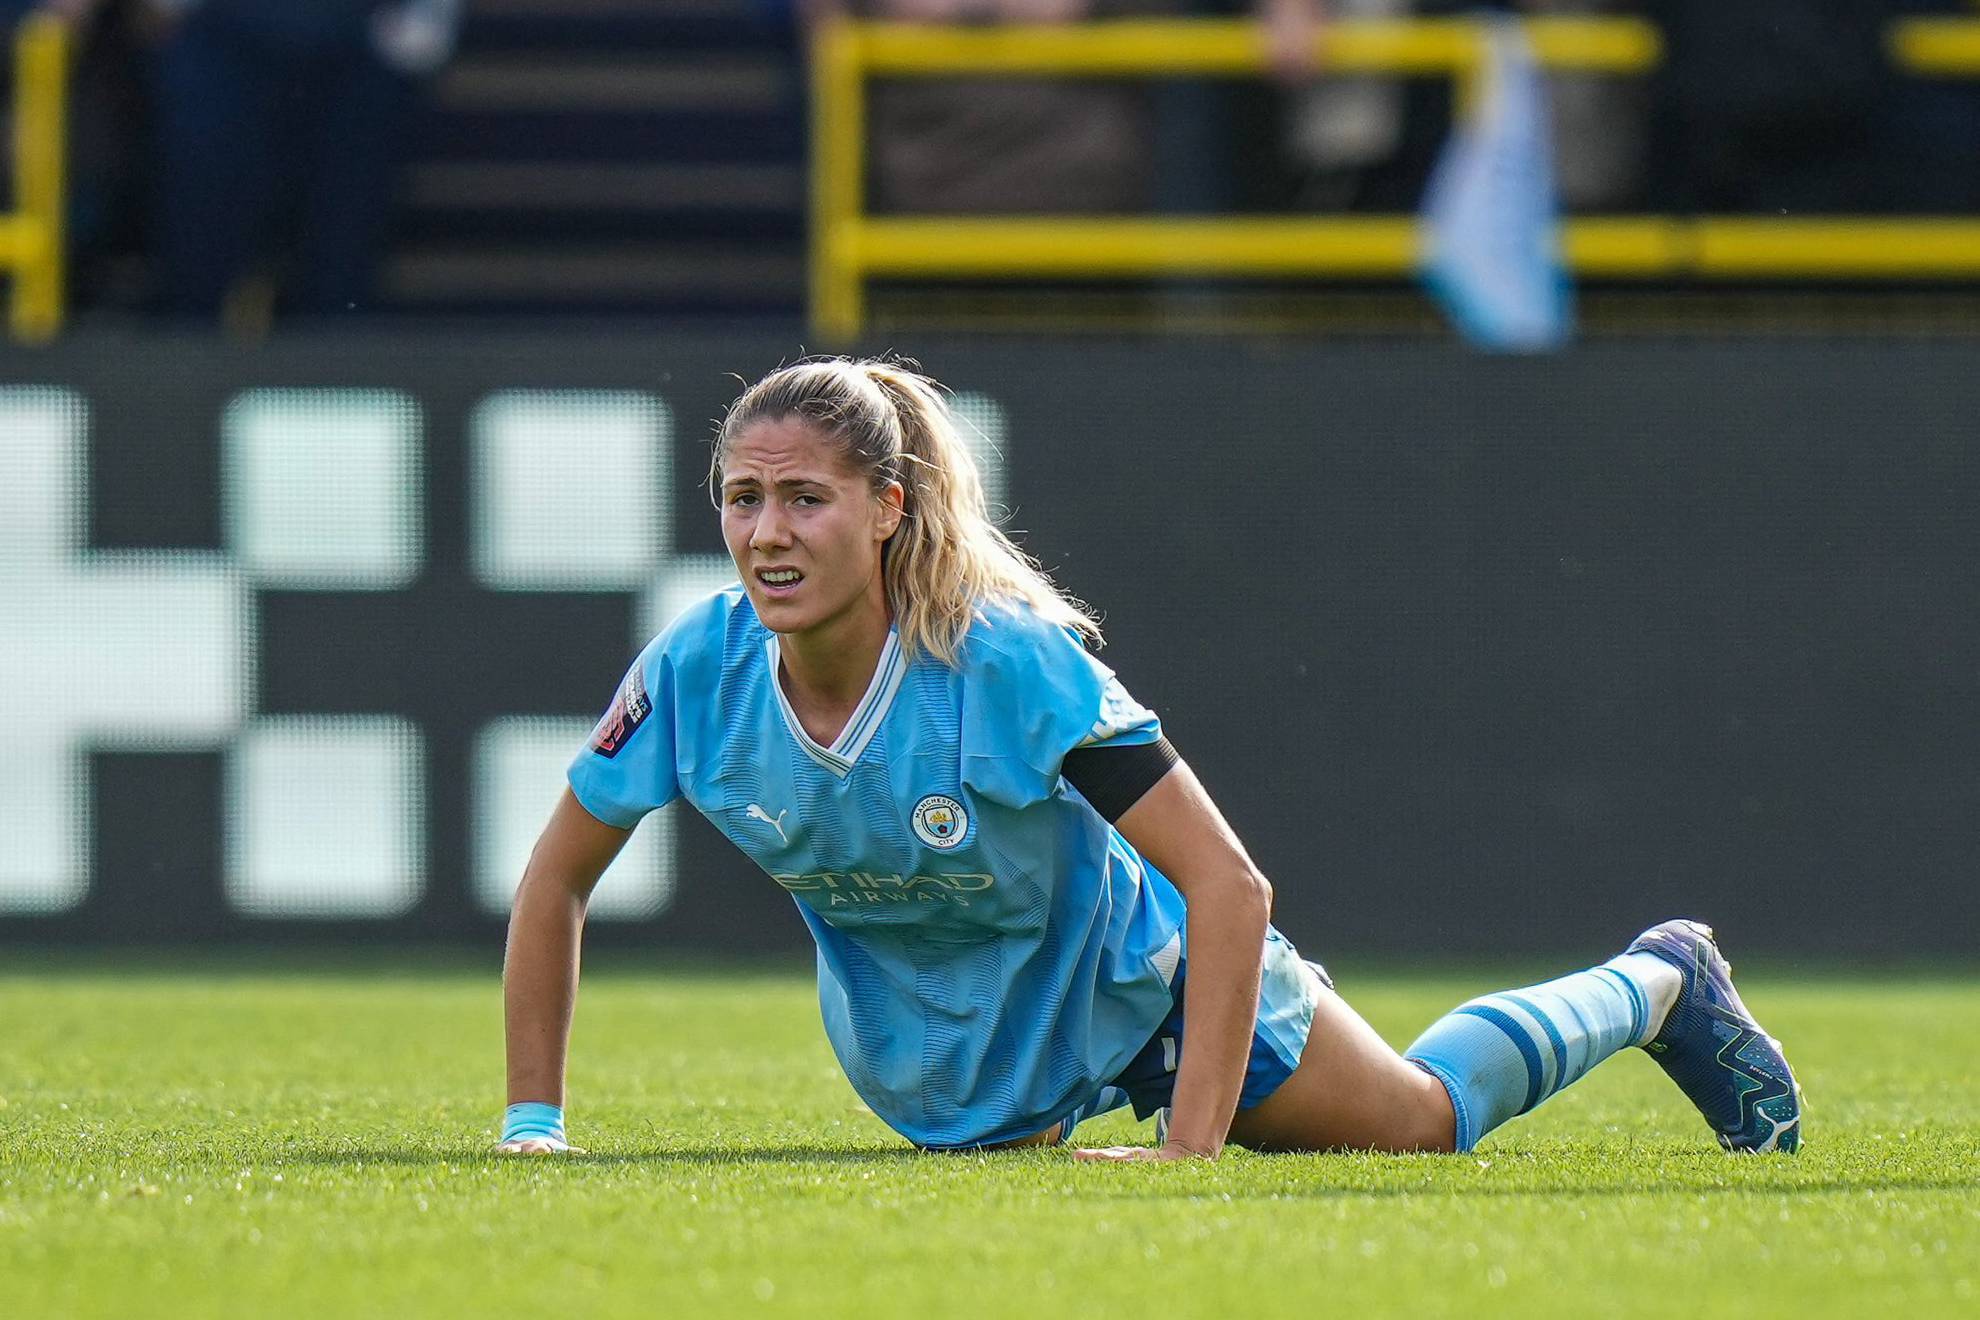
[[1601, 121], [1009, 145], [1366, 143], [280, 128], [1337, 129], [1316, 141]]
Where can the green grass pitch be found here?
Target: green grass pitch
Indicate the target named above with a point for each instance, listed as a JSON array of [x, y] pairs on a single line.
[[214, 1140]]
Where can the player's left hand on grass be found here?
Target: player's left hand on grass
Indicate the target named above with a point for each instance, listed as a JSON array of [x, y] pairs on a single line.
[[1168, 1150], [538, 1146]]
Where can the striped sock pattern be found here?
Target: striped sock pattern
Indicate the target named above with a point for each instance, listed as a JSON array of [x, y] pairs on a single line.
[[1501, 1054]]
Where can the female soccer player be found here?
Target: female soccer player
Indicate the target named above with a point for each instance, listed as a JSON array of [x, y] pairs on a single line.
[[1027, 909]]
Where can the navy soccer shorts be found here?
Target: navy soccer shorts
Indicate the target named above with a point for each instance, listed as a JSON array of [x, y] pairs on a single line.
[[1288, 988]]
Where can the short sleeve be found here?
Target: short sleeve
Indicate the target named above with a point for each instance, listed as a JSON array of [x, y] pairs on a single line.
[[1123, 721], [1032, 694], [627, 767]]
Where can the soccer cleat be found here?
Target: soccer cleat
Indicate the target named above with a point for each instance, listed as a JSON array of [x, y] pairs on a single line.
[[1714, 1050]]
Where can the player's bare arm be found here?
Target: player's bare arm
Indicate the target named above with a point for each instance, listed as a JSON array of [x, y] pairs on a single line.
[[540, 972], [1177, 827]]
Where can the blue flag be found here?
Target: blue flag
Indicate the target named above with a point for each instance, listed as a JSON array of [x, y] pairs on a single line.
[[1490, 223]]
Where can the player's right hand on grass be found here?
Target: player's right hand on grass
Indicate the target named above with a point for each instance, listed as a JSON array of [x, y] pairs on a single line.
[[538, 1146]]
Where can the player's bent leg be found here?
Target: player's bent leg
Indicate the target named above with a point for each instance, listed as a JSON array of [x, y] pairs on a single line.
[[1350, 1091], [1501, 1054]]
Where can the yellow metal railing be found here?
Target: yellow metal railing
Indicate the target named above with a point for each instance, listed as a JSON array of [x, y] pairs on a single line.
[[848, 247], [1936, 47], [31, 239]]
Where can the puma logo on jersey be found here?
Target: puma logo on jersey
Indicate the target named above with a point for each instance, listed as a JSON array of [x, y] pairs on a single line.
[[758, 813]]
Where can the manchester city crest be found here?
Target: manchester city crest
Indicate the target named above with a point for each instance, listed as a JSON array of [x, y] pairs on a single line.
[[940, 821]]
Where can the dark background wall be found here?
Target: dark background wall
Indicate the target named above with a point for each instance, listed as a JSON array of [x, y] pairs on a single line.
[[1477, 654]]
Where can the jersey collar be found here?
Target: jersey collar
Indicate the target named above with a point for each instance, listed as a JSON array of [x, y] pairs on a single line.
[[866, 717]]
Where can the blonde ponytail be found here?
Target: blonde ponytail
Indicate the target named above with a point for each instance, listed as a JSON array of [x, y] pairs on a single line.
[[949, 559]]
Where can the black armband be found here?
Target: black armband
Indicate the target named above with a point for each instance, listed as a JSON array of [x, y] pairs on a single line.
[[1114, 777]]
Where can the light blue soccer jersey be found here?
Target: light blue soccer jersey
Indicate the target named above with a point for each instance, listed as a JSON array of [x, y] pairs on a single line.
[[990, 950]]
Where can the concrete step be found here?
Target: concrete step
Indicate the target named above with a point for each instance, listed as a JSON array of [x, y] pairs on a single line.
[[544, 26], [608, 157], [604, 83], [652, 276], [562, 187], [647, 9], [691, 136]]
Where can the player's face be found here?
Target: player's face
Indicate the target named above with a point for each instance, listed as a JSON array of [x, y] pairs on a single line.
[[803, 526]]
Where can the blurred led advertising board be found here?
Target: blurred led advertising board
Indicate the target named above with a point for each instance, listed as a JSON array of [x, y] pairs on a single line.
[[1477, 654], [336, 802]]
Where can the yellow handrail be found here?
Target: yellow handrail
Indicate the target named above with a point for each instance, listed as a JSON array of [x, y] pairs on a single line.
[[848, 246], [1139, 48], [1936, 47], [31, 237], [1616, 247]]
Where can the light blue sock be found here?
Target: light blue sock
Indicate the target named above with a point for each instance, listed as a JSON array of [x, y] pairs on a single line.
[[1502, 1054]]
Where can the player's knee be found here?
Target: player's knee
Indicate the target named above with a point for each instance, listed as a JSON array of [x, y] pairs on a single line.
[[1435, 1119]]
